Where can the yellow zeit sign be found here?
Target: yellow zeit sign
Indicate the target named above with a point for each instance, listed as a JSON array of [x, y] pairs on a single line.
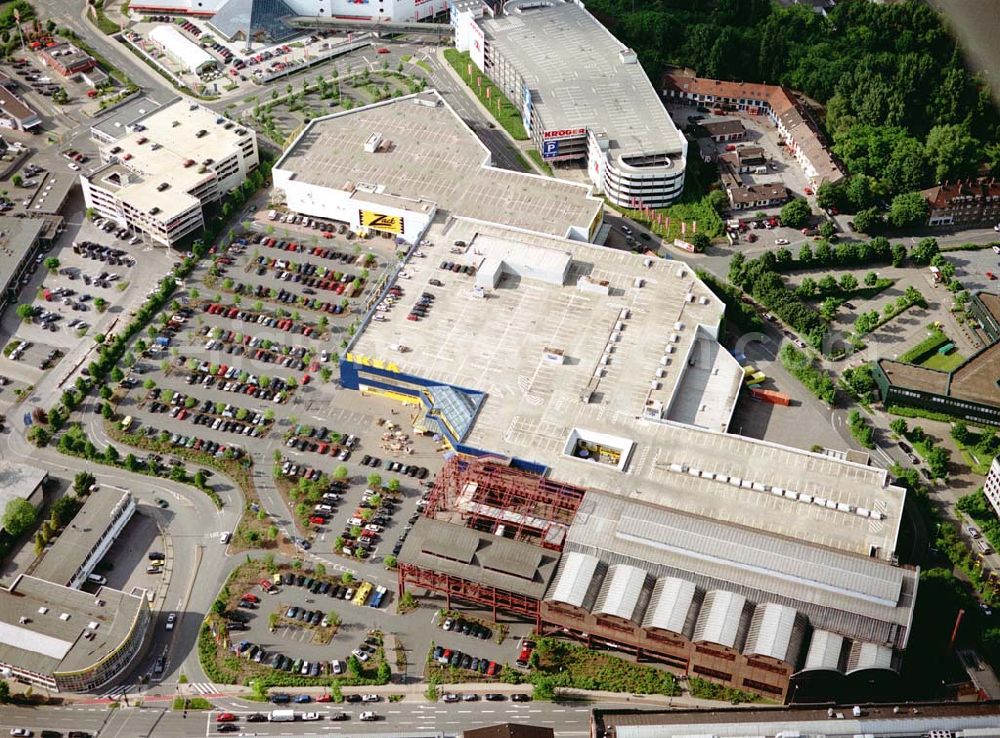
[[390, 223]]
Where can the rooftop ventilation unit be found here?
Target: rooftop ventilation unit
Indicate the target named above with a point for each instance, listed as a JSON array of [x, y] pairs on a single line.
[[64, 616], [373, 143], [42, 610]]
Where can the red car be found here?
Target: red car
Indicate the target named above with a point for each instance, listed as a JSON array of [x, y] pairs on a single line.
[[317, 520], [383, 50], [807, 190], [324, 698], [250, 597], [990, 275], [225, 717]]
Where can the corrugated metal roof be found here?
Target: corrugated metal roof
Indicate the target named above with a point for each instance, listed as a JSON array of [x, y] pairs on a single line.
[[576, 572], [624, 593], [824, 651], [595, 531], [670, 607], [749, 551], [775, 631], [719, 619], [869, 656], [519, 562]]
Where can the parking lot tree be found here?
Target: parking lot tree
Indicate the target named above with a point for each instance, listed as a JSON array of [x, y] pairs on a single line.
[[25, 311], [16, 179], [828, 308], [149, 384], [827, 283], [796, 213], [38, 435], [393, 485], [190, 402], [960, 431], [871, 279], [272, 533], [937, 461], [131, 463], [868, 220], [375, 481], [805, 254], [340, 472], [105, 392], [355, 531], [346, 578], [111, 455], [219, 407], [51, 263], [827, 229], [898, 426], [848, 282], [117, 375], [107, 412], [925, 250], [390, 562], [18, 516]]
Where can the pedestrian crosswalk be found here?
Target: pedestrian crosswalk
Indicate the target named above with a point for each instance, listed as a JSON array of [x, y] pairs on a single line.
[[127, 691]]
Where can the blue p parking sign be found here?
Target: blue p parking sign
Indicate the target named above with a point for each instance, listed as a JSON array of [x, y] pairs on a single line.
[[550, 148]]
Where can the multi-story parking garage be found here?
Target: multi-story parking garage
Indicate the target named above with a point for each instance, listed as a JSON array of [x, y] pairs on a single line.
[[583, 97]]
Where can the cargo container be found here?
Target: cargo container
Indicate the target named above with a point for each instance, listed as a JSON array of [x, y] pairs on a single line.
[[777, 398], [282, 716]]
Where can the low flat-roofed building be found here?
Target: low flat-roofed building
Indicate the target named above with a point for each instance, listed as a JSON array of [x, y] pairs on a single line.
[[67, 59], [21, 482], [392, 165], [907, 720], [19, 245], [83, 543], [509, 730], [582, 96], [191, 57], [172, 163], [16, 113], [65, 639]]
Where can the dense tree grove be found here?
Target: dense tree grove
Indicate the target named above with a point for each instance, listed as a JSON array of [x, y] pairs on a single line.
[[902, 110]]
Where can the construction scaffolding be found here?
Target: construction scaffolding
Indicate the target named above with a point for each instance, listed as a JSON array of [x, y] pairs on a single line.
[[490, 495], [453, 587]]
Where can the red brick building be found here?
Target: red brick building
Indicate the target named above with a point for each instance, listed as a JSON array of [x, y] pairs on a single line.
[[67, 59], [963, 202]]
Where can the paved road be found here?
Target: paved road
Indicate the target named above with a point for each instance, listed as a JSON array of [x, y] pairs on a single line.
[[569, 719]]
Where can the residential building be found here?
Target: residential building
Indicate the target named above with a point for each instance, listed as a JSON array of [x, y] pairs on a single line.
[[67, 59], [756, 196], [21, 482], [85, 541], [725, 131], [583, 97], [796, 126], [20, 245], [963, 203], [173, 161], [744, 159], [991, 487], [15, 113]]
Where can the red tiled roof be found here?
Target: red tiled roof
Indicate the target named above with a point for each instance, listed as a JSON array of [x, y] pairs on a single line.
[[942, 195]]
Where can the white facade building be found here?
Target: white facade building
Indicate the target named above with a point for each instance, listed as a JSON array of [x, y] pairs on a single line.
[[183, 50], [582, 95], [391, 10], [174, 161], [991, 487]]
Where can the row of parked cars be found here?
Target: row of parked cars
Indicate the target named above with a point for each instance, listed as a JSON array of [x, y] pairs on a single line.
[[287, 297], [320, 251], [459, 660], [249, 316]]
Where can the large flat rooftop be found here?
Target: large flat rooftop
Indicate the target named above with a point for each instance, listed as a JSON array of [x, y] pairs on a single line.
[[42, 625], [575, 70], [161, 143], [19, 481], [17, 236], [628, 350], [61, 562], [428, 154]]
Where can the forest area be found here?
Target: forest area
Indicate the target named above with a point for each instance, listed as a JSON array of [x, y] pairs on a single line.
[[902, 111]]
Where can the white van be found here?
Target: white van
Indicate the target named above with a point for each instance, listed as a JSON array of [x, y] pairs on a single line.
[[97, 579], [272, 215]]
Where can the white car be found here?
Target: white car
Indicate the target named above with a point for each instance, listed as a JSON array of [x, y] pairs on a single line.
[[310, 716], [449, 697], [338, 666], [171, 619], [75, 167], [781, 242], [997, 229], [370, 698], [361, 656], [24, 732], [368, 716]]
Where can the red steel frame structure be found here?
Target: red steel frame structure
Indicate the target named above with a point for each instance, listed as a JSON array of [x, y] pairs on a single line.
[[531, 497], [498, 600]]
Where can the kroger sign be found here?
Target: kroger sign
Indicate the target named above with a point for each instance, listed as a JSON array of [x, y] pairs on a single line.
[[565, 133]]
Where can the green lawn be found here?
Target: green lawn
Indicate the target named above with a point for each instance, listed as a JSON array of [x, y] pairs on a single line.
[[944, 363], [489, 94], [537, 158]]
